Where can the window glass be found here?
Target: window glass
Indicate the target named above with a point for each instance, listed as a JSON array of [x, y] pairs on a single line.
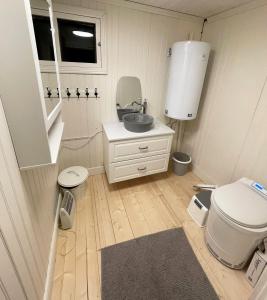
[[77, 41], [43, 36]]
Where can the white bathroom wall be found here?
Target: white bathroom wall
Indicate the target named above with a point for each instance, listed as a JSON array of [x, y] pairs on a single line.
[[27, 213], [138, 38], [229, 138]]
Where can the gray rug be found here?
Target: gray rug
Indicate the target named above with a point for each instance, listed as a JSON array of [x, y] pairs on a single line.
[[158, 266]]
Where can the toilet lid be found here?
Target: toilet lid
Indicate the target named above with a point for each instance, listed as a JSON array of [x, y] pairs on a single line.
[[72, 176], [242, 204]]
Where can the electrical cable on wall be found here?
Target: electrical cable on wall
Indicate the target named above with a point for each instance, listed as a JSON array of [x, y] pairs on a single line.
[[171, 123], [202, 30], [87, 138]]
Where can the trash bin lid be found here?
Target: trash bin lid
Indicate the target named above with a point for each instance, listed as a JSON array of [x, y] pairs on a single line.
[[72, 176]]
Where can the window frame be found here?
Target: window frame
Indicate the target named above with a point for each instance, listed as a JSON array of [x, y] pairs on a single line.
[[46, 65], [77, 14], [78, 67]]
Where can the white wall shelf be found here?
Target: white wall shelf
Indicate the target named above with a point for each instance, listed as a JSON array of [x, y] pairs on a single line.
[[36, 136]]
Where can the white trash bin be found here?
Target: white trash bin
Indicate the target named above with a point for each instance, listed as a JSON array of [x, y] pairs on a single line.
[[181, 161], [73, 179]]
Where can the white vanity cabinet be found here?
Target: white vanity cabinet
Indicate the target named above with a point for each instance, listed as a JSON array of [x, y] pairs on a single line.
[[36, 134], [130, 155]]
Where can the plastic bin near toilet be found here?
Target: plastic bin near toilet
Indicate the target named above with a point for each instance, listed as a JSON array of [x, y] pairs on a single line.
[[181, 162], [199, 207], [257, 264]]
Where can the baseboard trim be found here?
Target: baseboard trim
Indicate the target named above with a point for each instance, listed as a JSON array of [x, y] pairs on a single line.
[[96, 170], [52, 256]]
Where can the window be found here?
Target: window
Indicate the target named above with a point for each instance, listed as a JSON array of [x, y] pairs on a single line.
[[77, 41], [43, 37], [79, 37]]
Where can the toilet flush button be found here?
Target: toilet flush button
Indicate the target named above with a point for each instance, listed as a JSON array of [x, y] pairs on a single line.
[[260, 188]]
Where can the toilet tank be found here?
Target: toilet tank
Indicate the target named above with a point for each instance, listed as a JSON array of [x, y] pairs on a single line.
[[188, 64]]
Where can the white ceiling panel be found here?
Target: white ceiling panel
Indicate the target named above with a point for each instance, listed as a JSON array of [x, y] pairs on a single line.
[[202, 8]]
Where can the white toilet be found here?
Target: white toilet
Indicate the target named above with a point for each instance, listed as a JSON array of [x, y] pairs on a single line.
[[237, 222]]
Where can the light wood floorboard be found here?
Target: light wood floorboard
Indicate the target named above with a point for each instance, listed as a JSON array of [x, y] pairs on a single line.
[[109, 214]]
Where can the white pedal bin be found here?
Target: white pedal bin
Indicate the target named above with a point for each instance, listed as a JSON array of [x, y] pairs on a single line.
[[73, 179]]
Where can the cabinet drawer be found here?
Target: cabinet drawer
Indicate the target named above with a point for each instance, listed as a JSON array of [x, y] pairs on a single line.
[[125, 150], [138, 167]]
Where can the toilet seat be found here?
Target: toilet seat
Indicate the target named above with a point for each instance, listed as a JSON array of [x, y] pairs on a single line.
[[239, 203]]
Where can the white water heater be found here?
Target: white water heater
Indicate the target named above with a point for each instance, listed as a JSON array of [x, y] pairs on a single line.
[[188, 64]]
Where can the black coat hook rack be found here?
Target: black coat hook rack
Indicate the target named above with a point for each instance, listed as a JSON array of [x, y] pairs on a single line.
[[70, 94]]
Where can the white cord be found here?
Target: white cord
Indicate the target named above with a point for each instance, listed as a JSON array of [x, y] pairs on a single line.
[[88, 139]]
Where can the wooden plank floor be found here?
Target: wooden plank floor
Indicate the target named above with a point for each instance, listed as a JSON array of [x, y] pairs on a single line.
[[109, 214]]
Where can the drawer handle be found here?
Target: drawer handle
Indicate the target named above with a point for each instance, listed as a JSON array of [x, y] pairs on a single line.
[[142, 169], [143, 148]]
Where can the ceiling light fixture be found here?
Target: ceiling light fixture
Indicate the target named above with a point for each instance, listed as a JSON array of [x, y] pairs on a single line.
[[82, 33]]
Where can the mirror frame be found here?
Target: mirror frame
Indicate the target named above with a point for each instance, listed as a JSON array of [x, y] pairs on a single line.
[[141, 98]]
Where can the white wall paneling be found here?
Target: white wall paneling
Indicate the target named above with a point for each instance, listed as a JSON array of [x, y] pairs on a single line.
[[10, 282], [229, 140], [52, 255], [138, 39], [27, 213]]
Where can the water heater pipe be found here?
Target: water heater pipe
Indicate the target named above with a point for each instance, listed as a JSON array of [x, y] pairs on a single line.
[[180, 135]]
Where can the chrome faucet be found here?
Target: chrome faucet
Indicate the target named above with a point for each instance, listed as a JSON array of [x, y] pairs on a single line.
[[142, 105]]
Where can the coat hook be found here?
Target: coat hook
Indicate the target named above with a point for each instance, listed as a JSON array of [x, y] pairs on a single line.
[[49, 93], [96, 93], [68, 93], [78, 93], [86, 93]]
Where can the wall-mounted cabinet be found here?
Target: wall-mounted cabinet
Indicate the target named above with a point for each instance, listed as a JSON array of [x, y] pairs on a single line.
[[129, 155], [35, 125]]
